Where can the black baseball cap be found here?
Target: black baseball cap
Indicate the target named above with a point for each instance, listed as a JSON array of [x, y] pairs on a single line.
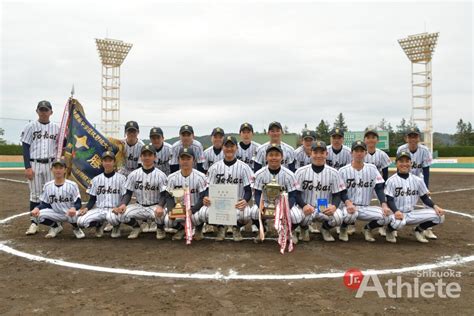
[[413, 130], [319, 145], [217, 130], [44, 105], [371, 131], [402, 154], [246, 125], [230, 139], [156, 131], [149, 148], [186, 128], [274, 124], [358, 144], [337, 131], [275, 147], [109, 154], [309, 134], [59, 161], [186, 151], [131, 125]]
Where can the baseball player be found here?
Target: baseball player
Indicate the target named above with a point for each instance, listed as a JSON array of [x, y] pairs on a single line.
[[39, 142], [59, 202], [185, 177], [303, 153], [339, 155], [403, 190], [148, 184], [214, 153], [275, 132], [362, 180], [230, 170], [421, 157], [374, 155], [319, 184], [105, 193], [247, 147], [284, 177], [186, 139], [132, 148]]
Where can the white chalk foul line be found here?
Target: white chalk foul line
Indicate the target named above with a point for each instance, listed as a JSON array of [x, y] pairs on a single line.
[[13, 180], [232, 275]]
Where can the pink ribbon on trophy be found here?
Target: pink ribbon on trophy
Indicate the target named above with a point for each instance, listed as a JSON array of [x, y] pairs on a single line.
[[283, 224], [188, 224], [63, 129]]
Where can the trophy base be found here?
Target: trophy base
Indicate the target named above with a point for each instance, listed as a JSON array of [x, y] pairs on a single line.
[[177, 216], [268, 215]]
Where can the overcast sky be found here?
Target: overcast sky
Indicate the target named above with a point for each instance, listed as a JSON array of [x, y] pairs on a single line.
[[219, 64]]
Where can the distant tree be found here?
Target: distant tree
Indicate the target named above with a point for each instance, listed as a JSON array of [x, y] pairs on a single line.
[[340, 122], [286, 130], [464, 135], [322, 131], [2, 141], [383, 125]]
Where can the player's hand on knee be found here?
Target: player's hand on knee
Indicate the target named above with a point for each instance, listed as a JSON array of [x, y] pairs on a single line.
[[308, 209], [83, 211], [120, 209], [35, 212], [330, 210], [350, 207], [386, 210], [29, 173], [206, 201], [398, 215], [439, 210], [241, 204], [159, 212], [71, 212]]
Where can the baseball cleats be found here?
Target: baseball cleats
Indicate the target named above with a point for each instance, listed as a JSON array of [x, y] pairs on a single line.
[[153, 227], [304, 234], [236, 235], [54, 231], [326, 234], [134, 233], [160, 233], [294, 238], [115, 232], [368, 235], [33, 229], [108, 228], [351, 229], [254, 228], [198, 235], [220, 233], [78, 233], [313, 229], [99, 231], [421, 237], [145, 227], [429, 234], [383, 231], [179, 235], [390, 236], [344, 234]]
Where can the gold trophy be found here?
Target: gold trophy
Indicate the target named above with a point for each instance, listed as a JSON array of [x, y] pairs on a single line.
[[273, 191], [178, 210]]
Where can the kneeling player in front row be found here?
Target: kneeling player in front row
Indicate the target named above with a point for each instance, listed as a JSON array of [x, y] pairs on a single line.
[[105, 193], [232, 171], [403, 190], [148, 184], [362, 179], [59, 202], [185, 178]]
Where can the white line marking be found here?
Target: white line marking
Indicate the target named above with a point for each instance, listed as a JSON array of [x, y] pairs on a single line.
[[232, 275], [13, 180], [6, 220]]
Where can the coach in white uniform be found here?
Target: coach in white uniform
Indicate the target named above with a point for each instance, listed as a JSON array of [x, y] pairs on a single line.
[[39, 141]]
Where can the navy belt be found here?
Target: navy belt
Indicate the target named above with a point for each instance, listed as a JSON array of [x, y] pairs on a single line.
[[46, 160]]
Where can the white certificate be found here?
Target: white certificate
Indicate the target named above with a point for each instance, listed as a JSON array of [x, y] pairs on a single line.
[[223, 199]]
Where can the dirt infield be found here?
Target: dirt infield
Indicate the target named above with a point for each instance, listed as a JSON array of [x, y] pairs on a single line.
[[37, 287]]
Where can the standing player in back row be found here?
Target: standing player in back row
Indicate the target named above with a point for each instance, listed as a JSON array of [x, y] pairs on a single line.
[[275, 131], [39, 141], [132, 148], [247, 148], [214, 153], [186, 140], [374, 155], [303, 153], [339, 155], [421, 157], [163, 150]]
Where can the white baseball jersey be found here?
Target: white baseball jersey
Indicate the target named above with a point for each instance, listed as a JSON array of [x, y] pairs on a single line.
[[162, 159], [248, 154], [210, 157], [42, 139], [320, 185], [360, 184], [132, 154], [108, 190], [197, 148], [405, 191], [146, 186], [238, 173], [379, 158], [196, 182], [288, 154], [61, 198], [285, 178], [301, 157], [420, 159], [341, 159]]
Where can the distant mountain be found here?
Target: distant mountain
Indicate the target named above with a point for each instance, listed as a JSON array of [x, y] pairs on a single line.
[[442, 139]]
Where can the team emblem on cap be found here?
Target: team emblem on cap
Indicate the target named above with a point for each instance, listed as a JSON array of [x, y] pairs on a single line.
[[337, 130], [229, 138], [246, 125], [319, 143], [185, 150]]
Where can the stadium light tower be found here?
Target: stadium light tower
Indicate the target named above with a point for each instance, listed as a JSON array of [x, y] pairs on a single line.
[[112, 54], [419, 49]]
